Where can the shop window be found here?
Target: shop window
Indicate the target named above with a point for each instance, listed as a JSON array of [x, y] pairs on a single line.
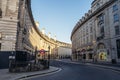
[[102, 56], [90, 56], [84, 56]]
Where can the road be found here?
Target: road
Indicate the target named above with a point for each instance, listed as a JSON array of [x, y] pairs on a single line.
[[71, 71]]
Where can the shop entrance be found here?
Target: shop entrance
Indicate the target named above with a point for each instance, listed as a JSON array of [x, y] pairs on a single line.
[[102, 52]]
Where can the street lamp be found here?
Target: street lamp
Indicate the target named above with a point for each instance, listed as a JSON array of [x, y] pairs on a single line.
[[35, 53], [94, 50], [48, 56]]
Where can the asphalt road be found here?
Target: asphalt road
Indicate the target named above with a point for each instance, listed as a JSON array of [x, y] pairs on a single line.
[[72, 71]]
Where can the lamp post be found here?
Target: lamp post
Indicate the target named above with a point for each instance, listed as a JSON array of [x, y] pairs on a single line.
[[48, 56], [94, 50], [35, 53]]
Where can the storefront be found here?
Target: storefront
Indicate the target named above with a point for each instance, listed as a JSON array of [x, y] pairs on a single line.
[[102, 56], [102, 52]]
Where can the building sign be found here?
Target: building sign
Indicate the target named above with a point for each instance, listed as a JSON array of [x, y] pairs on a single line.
[[42, 51]]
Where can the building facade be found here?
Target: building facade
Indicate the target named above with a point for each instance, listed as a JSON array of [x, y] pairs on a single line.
[[64, 53], [19, 31], [96, 36]]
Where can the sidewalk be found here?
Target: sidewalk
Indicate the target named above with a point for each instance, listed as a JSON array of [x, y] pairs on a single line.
[[5, 75], [106, 65]]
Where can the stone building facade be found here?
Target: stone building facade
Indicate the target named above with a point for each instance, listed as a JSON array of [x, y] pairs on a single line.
[[64, 53], [18, 30], [96, 36]]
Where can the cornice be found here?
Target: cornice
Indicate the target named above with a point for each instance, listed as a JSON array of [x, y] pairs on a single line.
[[45, 37], [92, 15]]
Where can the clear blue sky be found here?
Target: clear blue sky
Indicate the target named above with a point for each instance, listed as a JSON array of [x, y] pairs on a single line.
[[59, 16]]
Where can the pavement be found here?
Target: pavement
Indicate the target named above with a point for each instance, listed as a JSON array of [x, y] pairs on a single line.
[[106, 65], [6, 75]]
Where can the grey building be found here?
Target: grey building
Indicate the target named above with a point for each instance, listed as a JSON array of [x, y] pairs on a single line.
[[19, 32], [96, 35]]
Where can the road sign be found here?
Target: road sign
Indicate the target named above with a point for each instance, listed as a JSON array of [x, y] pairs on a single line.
[[42, 51]]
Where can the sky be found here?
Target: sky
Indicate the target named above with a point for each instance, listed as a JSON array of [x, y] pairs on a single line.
[[59, 16]]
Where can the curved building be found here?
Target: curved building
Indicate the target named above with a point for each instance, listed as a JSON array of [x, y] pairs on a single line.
[[96, 36], [19, 31]]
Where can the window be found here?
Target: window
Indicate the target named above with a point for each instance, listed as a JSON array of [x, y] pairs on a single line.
[[87, 31], [90, 56], [101, 19], [0, 35], [101, 46], [87, 40], [115, 7], [118, 47], [23, 40], [91, 38], [91, 29], [116, 17], [117, 32], [0, 46], [0, 13], [102, 30]]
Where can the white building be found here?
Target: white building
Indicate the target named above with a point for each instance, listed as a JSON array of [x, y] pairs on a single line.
[[64, 52], [97, 34]]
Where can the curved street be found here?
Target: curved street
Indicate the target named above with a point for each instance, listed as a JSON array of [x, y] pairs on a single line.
[[71, 71]]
